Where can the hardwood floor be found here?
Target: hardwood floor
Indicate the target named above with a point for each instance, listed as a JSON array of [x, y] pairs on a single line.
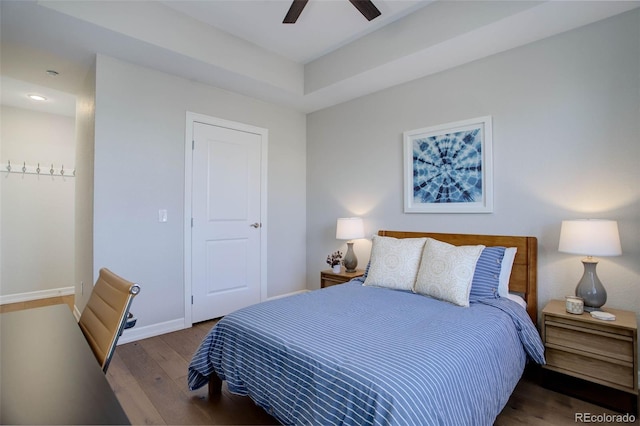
[[149, 378], [10, 307]]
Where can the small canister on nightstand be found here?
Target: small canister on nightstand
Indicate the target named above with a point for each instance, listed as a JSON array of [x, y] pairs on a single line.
[[574, 305]]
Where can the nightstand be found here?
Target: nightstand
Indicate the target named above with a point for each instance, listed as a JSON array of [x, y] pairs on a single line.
[[329, 278], [602, 352]]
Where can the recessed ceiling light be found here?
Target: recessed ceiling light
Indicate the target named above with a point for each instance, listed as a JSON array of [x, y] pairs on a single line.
[[36, 98], [52, 73]]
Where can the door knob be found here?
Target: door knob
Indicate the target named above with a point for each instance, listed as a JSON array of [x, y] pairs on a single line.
[[255, 225]]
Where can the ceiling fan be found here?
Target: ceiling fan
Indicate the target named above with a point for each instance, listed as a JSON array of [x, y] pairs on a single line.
[[366, 7]]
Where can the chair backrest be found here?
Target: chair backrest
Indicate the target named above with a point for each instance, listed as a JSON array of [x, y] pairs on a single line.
[[105, 315]]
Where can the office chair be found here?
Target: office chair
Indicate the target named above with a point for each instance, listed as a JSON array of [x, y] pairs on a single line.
[[105, 315]]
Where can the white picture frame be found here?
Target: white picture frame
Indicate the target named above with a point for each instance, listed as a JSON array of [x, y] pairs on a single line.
[[448, 168]]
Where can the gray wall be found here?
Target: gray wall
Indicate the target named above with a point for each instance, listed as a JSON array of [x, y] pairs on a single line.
[[85, 150], [139, 168], [565, 142]]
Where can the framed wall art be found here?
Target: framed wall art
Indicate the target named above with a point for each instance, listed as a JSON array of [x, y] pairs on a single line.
[[448, 168]]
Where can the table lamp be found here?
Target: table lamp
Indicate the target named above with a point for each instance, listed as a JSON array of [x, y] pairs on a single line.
[[350, 228], [590, 237]]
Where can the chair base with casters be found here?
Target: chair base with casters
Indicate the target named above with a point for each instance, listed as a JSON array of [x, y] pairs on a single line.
[[130, 323], [105, 316]]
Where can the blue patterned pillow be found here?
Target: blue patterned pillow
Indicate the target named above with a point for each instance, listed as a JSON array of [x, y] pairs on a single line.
[[487, 274], [363, 277]]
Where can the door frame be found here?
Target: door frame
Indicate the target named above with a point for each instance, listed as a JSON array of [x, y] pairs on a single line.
[[191, 119]]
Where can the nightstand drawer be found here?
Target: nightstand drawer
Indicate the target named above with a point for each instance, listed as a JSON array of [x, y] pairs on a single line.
[[590, 340], [602, 352], [328, 281], [329, 278], [619, 375]]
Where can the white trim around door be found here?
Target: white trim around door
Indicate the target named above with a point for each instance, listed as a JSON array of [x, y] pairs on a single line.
[[191, 119]]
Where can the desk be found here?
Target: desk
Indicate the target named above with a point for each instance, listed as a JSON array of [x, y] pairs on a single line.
[[48, 373]]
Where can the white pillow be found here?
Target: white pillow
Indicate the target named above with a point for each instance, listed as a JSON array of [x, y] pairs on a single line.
[[518, 299], [505, 271], [394, 262], [446, 271]]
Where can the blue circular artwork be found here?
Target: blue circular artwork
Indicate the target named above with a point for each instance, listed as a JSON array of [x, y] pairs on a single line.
[[447, 168]]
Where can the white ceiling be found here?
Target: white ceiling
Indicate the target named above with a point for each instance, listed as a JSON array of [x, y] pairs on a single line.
[[15, 93], [331, 55], [323, 26]]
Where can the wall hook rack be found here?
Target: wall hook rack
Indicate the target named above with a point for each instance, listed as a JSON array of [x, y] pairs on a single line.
[[36, 170]]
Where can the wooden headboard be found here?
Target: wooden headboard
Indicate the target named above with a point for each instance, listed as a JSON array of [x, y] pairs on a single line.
[[524, 274]]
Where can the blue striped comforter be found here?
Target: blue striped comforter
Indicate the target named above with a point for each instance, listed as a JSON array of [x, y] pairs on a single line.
[[357, 355]]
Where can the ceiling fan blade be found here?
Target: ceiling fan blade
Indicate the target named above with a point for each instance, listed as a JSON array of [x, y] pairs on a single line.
[[367, 8], [294, 11]]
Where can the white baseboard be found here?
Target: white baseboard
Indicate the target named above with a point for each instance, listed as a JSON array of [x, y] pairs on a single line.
[[288, 294], [36, 295], [139, 333], [76, 313]]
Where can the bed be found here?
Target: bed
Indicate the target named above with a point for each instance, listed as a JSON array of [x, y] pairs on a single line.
[[364, 353]]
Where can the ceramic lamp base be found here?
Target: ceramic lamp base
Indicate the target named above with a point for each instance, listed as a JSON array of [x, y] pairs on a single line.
[[590, 289], [350, 260]]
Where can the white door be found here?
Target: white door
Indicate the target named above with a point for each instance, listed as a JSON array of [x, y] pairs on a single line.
[[227, 224]]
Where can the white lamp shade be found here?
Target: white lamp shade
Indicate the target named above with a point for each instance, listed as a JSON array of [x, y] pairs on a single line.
[[349, 228], [590, 237]]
